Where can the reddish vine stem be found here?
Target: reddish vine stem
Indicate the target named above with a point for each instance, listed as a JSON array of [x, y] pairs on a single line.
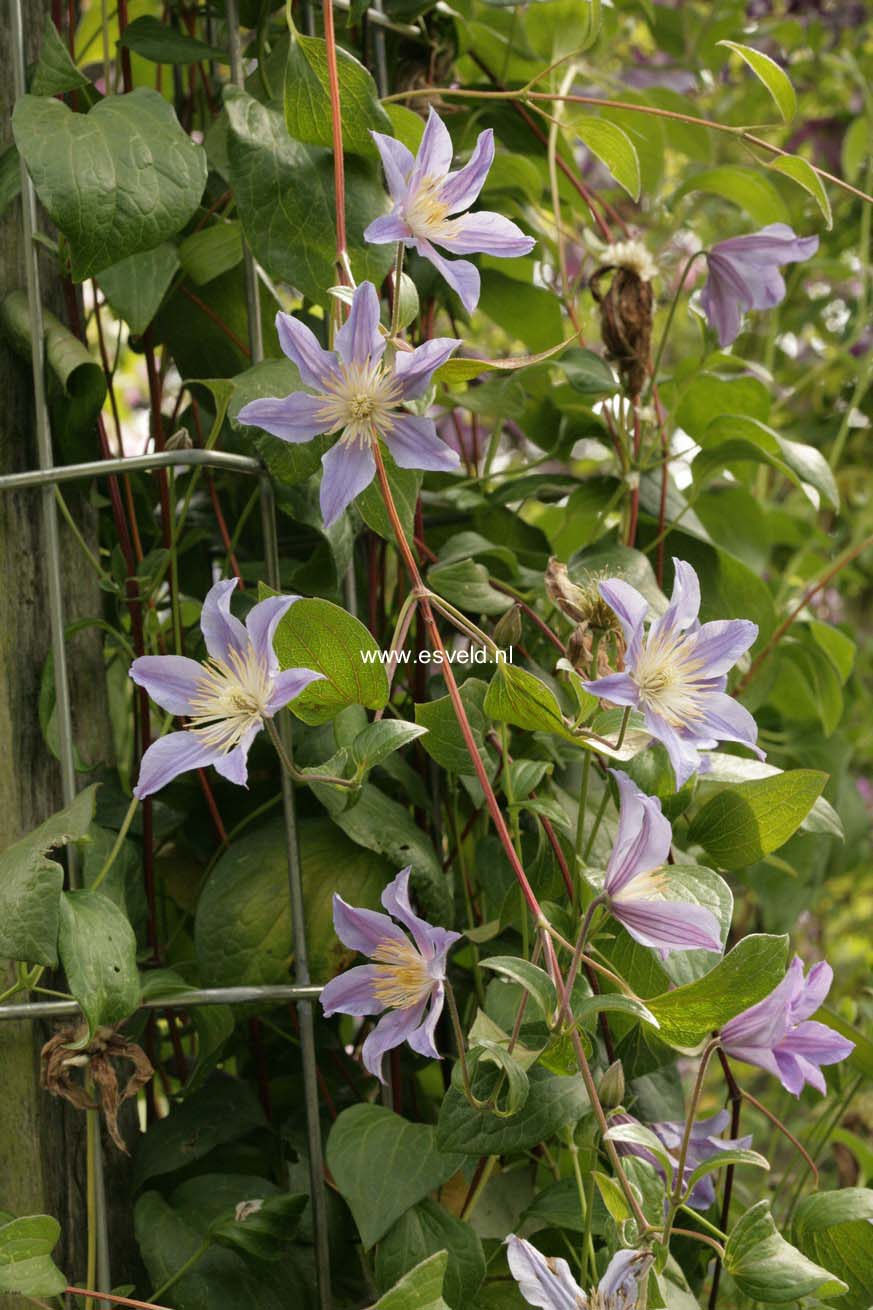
[[116, 1300], [339, 178]]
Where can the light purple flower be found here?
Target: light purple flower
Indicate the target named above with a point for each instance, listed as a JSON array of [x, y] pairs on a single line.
[[744, 274], [226, 700], [704, 1143], [406, 978], [637, 878], [778, 1035], [425, 194], [546, 1281], [677, 674], [359, 396]]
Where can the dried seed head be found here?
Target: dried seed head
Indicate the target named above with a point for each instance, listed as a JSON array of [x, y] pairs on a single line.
[[58, 1068], [581, 601], [626, 323]]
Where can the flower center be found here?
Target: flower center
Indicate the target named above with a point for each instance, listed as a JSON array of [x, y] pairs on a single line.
[[359, 400], [667, 677], [425, 213], [645, 887], [402, 978], [233, 696]]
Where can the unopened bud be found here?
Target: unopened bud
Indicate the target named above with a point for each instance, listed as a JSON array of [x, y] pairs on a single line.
[[507, 629], [408, 310], [180, 440], [611, 1089]]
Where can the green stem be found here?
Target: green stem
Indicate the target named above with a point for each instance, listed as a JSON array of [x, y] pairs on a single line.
[[597, 820], [117, 844], [183, 1269], [175, 602], [679, 1177], [294, 773], [395, 301], [460, 1042], [92, 1128], [105, 578], [671, 315]]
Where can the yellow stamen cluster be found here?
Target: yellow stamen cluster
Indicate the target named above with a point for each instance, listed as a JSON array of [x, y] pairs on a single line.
[[232, 696], [359, 400], [402, 978]]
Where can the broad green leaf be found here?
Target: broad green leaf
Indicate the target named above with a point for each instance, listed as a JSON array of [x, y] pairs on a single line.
[[261, 1228], [612, 1196], [516, 696], [534, 980], [775, 79], [748, 820], [835, 1228], [803, 173], [466, 585], [382, 1165], [745, 976], [316, 634], [160, 43], [721, 1160], [136, 286], [735, 768], [458, 369], [634, 1134], [307, 98], [422, 1231], [55, 71], [420, 1289], [284, 195], [509, 1087], [735, 438], [97, 948], [207, 254], [379, 740], [118, 180], [223, 1110], [748, 188], [445, 742], [586, 1011], [242, 929], [587, 373], [31, 884], [527, 313], [26, 1266], [553, 1102], [613, 147], [405, 485], [768, 1269]]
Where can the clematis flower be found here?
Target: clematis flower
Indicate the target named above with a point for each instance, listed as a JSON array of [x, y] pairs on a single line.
[[359, 396], [425, 194], [677, 674], [546, 1282], [744, 274], [226, 700], [636, 879], [778, 1035], [704, 1143], [406, 979]]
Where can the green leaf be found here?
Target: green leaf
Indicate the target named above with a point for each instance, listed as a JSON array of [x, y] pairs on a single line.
[[262, 1226], [160, 43], [97, 948], [527, 313], [553, 1102], [613, 147], [516, 696], [136, 286], [745, 976], [775, 79], [748, 188], [835, 1228], [767, 1268], [509, 1091], [382, 1164], [118, 180], [26, 1266], [424, 1230], [379, 740], [223, 1110], [445, 742], [242, 929], [284, 195], [748, 820], [534, 980], [587, 373], [316, 634], [586, 1010], [420, 1289], [307, 98], [31, 884], [207, 254], [405, 485], [721, 1160], [466, 585], [862, 1056], [803, 173], [735, 438], [55, 71], [634, 1134], [10, 177]]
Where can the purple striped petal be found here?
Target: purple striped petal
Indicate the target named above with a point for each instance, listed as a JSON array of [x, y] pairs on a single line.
[[414, 444], [814, 992], [170, 680], [347, 471], [727, 720], [718, 645], [434, 156], [622, 1277], [762, 1057], [359, 338], [795, 1071], [233, 765], [364, 930], [461, 275], [414, 369], [398, 163], [547, 1284], [818, 1043], [315, 365], [221, 630], [352, 992], [667, 925], [261, 623], [487, 233], [287, 686], [643, 839], [166, 758], [395, 898], [684, 602], [387, 229], [392, 1030], [619, 688], [681, 751], [631, 609], [298, 417], [461, 189], [723, 303], [766, 1022], [422, 1039]]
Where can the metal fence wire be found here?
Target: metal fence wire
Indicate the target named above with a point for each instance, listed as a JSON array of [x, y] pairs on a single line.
[[44, 479]]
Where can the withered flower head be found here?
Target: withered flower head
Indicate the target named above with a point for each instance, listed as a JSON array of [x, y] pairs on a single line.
[[626, 321], [64, 1071], [581, 602]]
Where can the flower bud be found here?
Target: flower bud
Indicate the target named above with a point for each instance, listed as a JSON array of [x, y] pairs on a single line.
[[611, 1089], [180, 440], [507, 629]]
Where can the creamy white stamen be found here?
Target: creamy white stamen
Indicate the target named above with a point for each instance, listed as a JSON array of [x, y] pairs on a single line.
[[359, 400], [402, 978], [426, 215], [667, 675], [232, 697]]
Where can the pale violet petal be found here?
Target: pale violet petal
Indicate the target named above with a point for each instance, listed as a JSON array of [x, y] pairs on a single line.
[[718, 645], [364, 930], [233, 765], [667, 925], [170, 680], [486, 233], [461, 275], [546, 1284], [261, 623], [414, 369], [221, 630], [352, 992], [414, 444], [619, 688], [392, 1030], [643, 839], [315, 365], [398, 163], [387, 229], [348, 470], [434, 158], [461, 189], [359, 338], [287, 686], [295, 418], [166, 758], [395, 898], [422, 1039], [631, 609]]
